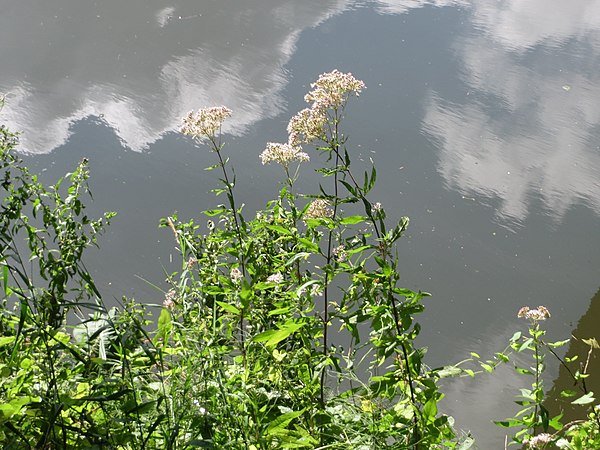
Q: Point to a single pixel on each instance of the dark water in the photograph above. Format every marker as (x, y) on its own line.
(482, 117)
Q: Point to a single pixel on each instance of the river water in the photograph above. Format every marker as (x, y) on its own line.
(483, 118)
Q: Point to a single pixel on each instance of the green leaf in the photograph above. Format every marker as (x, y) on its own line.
(449, 371)
(585, 399)
(309, 245)
(525, 345)
(279, 229)
(515, 337)
(5, 340)
(213, 212)
(279, 311)
(246, 294)
(273, 337)
(164, 323)
(567, 393)
(508, 423)
(558, 343)
(592, 342)
(352, 220)
(430, 410)
(282, 421)
(555, 422)
(487, 367)
(228, 307)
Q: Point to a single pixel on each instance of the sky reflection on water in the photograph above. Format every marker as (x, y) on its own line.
(142, 66)
(527, 125)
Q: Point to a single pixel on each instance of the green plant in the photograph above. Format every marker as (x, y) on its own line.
(536, 429)
(266, 292)
(243, 353)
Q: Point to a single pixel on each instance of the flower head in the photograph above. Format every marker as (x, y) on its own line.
(539, 441)
(235, 275)
(283, 154)
(276, 278)
(541, 313)
(340, 253)
(205, 122)
(332, 89)
(307, 126)
(170, 298)
(319, 209)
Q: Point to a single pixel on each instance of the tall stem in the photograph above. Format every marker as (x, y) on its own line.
(218, 146)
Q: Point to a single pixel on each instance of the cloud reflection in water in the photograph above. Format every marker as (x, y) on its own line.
(143, 65)
(527, 126)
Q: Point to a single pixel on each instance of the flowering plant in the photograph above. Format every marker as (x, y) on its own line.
(271, 290)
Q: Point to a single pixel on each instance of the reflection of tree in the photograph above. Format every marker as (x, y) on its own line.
(585, 329)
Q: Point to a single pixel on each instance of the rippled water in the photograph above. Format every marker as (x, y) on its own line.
(483, 118)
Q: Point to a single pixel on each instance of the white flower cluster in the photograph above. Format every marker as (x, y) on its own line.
(235, 275)
(330, 91)
(283, 154)
(340, 253)
(539, 441)
(319, 209)
(541, 313)
(276, 278)
(205, 122)
(307, 126)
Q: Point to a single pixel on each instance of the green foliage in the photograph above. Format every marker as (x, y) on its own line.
(535, 426)
(241, 355)
(284, 330)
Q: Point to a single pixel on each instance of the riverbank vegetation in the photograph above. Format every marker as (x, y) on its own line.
(285, 328)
